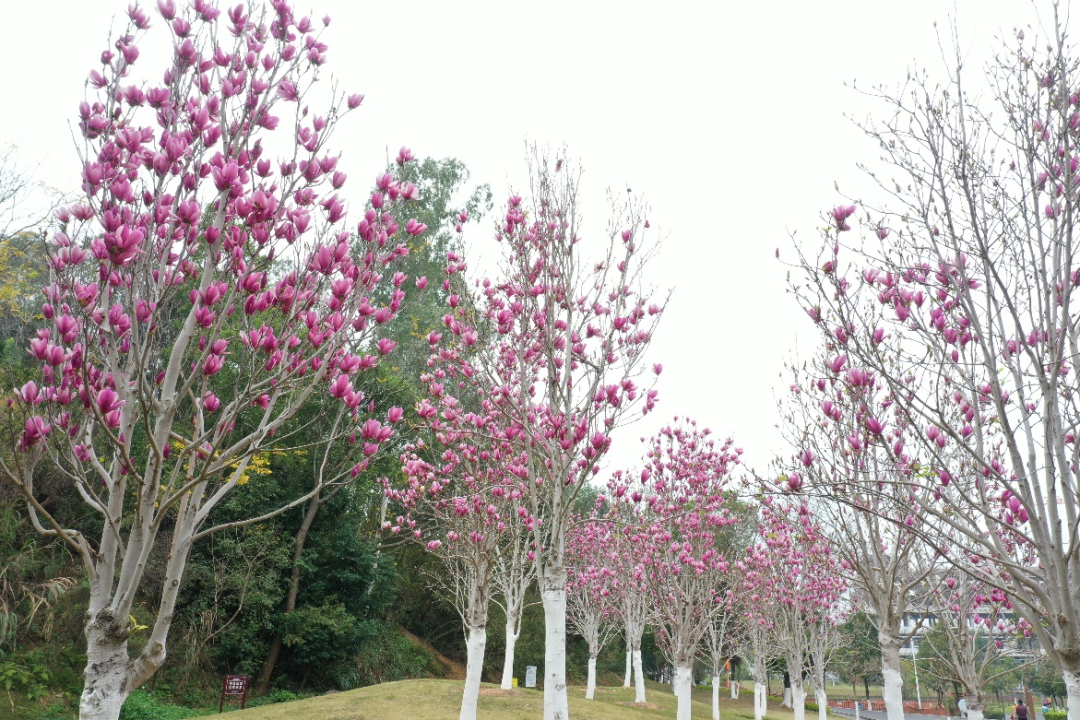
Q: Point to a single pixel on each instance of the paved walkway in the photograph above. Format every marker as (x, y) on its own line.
(879, 714)
(882, 715)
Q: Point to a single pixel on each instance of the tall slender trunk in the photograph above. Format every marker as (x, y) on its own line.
(1071, 676)
(508, 656)
(299, 541)
(974, 703)
(475, 645)
(684, 682)
(787, 690)
(553, 597)
(822, 702)
(759, 700)
(639, 678)
(590, 688)
(892, 687)
(629, 666)
(716, 696)
(798, 698)
(105, 679)
(734, 689)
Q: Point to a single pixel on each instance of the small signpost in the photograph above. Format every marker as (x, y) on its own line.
(234, 685)
(530, 676)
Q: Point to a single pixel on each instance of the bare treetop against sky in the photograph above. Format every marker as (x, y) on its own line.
(727, 116)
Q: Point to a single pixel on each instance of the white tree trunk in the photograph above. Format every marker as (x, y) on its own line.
(798, 699)
(590, 688)
(975, 708)
(716, 697)
(639, 679)
(759, 700)
(553, 596)
(892, 687)
(735, 689)
(822, 702)
(105, 679)
(684, 683)
(786, 702)
(1072, 690)
(508, 657)
(629, 667)
(475, 644)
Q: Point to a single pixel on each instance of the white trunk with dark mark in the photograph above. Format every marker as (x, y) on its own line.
(759, 700)
(107, 672)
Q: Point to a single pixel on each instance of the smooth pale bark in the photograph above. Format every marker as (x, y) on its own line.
(735, 686)
(105, 685)
(974, 704)
(639, 679)
(629, 668)
(1072, 690)
(786, 702)
(822, 702)
(590, 688)
(798, 699)
(508, 656)
(553, 597)
(684, 682)
(715, 697)
(475, 645)
(892, 686)
(759, 700)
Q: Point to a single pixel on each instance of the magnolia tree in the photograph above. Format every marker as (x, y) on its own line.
(853, 459)
(202, 290)
(513, 574)
(556, 343)
(717, 646)
(466, 495)
(685, 518)
(590, 602)
(794, 571)
(975, 630)
(824, 640)
(631, 596)
(960, 299)
(757, 644)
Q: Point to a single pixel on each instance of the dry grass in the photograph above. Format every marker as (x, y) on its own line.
(441, 700)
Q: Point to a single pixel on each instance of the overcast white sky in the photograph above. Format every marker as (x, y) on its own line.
(729, 117)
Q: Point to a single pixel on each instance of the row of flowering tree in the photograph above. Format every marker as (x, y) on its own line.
(684, 513)
(546, 358)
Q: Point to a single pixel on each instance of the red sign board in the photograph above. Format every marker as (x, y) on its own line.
(234, 685)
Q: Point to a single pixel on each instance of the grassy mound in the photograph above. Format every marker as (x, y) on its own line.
(441, 700)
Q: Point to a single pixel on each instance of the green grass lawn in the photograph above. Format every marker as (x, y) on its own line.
(441, 700)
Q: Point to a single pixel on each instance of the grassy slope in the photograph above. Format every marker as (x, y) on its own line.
(441, 700)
